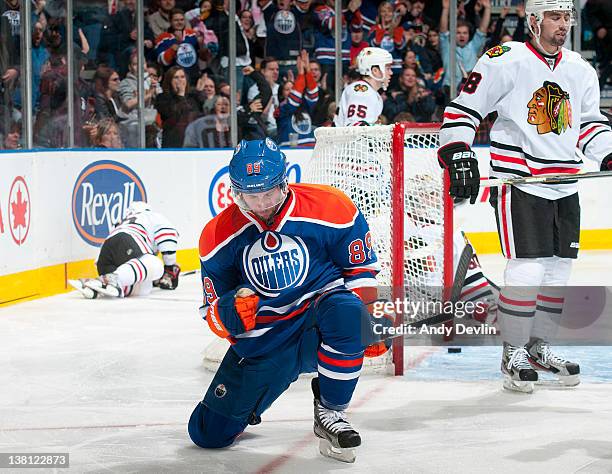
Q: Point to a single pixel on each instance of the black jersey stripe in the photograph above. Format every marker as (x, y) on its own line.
(546, 161)
(584, 147)
(467, 110)
(459, 124)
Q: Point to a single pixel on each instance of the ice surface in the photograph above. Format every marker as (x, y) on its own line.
(113, 383)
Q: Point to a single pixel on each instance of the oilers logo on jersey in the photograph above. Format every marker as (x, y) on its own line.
(550, 109)
(276, 262)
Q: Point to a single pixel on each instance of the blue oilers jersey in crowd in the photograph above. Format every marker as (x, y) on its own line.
(317, 242)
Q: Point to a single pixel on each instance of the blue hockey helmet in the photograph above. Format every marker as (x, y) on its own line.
(257, 166)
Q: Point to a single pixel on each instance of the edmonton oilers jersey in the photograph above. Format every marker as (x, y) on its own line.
(318, 241)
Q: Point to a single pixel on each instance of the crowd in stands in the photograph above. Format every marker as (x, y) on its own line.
(285, 54)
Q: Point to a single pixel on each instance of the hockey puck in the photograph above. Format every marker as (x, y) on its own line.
(454, 350)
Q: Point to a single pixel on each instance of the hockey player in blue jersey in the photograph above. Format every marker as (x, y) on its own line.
(287, 272)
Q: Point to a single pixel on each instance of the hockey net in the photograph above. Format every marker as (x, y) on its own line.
(392, 174)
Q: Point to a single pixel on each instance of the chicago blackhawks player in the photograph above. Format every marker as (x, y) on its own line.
(547, 99)
(361, 103)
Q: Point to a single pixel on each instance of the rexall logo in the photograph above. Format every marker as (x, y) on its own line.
(102, 193)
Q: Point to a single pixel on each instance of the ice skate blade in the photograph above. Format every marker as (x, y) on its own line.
(339, 454)
(96, 285)
(561, 382)
(87, 292)
(517, 385)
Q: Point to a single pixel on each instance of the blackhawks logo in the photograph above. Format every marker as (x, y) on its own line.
(497, 51)
(360, 88)
(550, 109)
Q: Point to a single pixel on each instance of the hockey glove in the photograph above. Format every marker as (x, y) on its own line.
(170, 278)
(460, 162)
(234, 313)
(383, 320)
(378, 349)
(606, 164)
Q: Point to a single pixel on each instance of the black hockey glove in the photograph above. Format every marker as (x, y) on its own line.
(606, 164)
(462, 166)
(170, 278)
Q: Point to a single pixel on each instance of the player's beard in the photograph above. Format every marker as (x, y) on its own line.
(558, 39)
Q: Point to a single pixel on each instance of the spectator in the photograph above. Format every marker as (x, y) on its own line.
(252, 124)
(389, 35)
(307, 20)
(270, 70)
(107, 134)
(179, 46)
(500, 35)
(40, 56)
(319, 112)
(160, 20)
(412, 97)
(207, 39)
(177, 107)
(284, 36)
(210, 131)
(208, 95)
(256, 45)
(599, 14)
(9, 70)
(415, 17)
(218, 21)
(128, 92)
(125, 35)
(325, 43)
(357, 42)
(10, 139)
(51, 125)
(413, 61)
(432, 48)
(199, 14)
(467, 50)
(106, 95)
(296, 103)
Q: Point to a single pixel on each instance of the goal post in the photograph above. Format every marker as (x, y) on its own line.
(392, 174)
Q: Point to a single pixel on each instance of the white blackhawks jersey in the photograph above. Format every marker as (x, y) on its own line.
(152, 232)
(548, 107)
(359, 103)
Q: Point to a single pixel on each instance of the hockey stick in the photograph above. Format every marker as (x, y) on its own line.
(544, 179)
(458, 281)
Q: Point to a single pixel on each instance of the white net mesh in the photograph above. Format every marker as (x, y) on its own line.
(360, 162)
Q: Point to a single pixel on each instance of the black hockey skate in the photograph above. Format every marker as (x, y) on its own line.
(542, 358)
(519, 376)
(338, 439)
